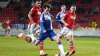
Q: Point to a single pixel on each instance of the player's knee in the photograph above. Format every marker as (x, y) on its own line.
(57, 38)
(28, 39)
(37, 42)
(70, 37)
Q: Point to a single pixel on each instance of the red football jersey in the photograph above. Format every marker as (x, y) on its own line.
(70, 19)
(7, 23)
(36, 14)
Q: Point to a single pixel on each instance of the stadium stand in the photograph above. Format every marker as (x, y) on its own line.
(84, 14)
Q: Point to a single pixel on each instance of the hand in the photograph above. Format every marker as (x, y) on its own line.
(34, 23)
(44, 31)
(66, 24)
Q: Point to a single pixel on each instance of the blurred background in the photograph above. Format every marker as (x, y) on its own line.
(87, 21)
(86, 32)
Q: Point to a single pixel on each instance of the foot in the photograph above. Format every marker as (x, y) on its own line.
(66, 54)
(19, 35)
(71, 53)
(28, 39)
(44, 55)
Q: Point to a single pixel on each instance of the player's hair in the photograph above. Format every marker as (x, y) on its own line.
(37, 0)
(63, 5)
(73, 5)
(46, 5)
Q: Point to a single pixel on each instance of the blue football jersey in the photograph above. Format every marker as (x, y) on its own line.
(59, 17)
(45, 21)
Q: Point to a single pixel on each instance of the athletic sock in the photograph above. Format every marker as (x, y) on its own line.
(22, 36)
(61, 47)
(71, 46)
(41, 47)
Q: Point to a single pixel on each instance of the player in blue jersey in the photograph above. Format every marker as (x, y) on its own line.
(46, 29)
(60, 15)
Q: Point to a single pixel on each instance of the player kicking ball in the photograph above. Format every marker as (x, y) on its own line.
(29, 38)
(46, 29)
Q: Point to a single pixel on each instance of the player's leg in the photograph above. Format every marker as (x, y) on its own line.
(57, 39)
(37, 30)
(9, 32)
(61, 48)
(41, 37)
(31, 27)
(28, 28)
(62, 32)
(21, 35)
(37, 42)
(28, 39)
(69, 38)
(6, 32)
(41, 47)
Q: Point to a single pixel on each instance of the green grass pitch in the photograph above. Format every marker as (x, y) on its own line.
(11, 46)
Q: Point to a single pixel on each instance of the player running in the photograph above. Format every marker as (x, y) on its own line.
(60, 15)
(46, 29)
(34, 17)
(68, 21)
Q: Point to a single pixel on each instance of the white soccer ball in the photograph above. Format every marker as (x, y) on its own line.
(58, 54)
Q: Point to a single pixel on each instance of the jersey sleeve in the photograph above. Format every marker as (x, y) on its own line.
(33, 9)
(57, 19)
(42, 22)
(66, 15)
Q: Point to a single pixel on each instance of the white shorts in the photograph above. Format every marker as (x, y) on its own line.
(30, 28)
(33, 29)
(8, 27)
(66, 31)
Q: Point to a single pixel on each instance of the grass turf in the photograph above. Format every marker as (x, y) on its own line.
(11, 46)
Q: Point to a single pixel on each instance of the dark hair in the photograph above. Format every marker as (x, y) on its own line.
(63, 5)
(46, 5)
(37, 0)
(73, 5)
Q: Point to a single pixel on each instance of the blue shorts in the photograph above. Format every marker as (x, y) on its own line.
(49, 33)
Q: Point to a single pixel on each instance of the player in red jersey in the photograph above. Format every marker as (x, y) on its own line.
(34, 17)
(68, 20)
(7, 27)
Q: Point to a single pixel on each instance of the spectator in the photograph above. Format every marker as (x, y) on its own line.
(20, 16)
(96, 10)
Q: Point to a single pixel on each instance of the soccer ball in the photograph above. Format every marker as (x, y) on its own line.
(58, 54)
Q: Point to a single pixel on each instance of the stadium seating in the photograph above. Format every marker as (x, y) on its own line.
(9, 12)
